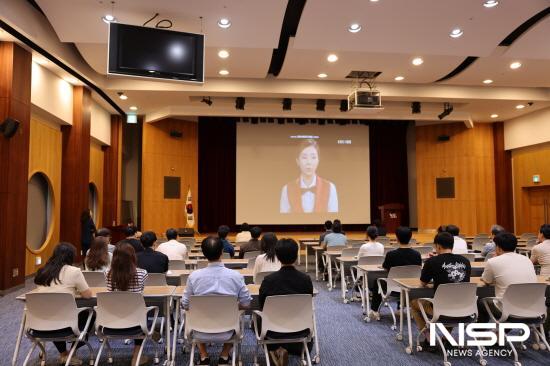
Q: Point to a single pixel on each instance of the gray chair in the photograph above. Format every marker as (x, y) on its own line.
(94, 279)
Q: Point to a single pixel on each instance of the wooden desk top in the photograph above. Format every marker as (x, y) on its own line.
(414, 283)
(148, 291)
(347, 259)
(317, 248)
(371, 268)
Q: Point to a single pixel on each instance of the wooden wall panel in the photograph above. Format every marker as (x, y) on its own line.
(75, 167)
(163, 155)
(527, 162)
(96, 177)
(15, 102)
(469, 157)
(503, 179)
(45, 158)
(112, 174)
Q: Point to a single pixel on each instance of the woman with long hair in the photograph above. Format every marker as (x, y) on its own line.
(125, 276)
(267, 262)
(59, 275)
(98, 258)
(87, 230)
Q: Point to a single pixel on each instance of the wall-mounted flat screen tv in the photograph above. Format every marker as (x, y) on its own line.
(155, 53)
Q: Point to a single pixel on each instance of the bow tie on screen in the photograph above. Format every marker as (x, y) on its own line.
(310, 189)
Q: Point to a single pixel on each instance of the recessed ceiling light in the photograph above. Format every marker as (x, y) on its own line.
(224, 23)
(487, 81)
(354, 28)
(122, 96)
(108, 18)
(133, 108)
(373, 1)
(456, 33)
(322, 75)
(223, 54)
(417, 61)
(399, 78)
(490, 3)
(223, 72)
(494, 115)
(515, 65)
(520, 106)
(332, 58)
(152, 71)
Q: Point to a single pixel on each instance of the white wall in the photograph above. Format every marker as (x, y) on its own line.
(52, 94)
(530, 129)
(100, 124)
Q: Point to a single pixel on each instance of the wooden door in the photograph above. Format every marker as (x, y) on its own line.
(539, 207)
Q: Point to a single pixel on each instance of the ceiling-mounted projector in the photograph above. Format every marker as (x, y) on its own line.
(365, 98)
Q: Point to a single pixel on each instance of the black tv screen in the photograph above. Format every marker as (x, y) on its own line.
(155, 53)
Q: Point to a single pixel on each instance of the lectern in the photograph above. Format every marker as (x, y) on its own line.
(391, 215)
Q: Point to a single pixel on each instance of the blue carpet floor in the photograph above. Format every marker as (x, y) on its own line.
(344, 339)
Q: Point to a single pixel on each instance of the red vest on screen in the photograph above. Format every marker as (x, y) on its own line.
(322, 192)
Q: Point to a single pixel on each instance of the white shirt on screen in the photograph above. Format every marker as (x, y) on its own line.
(507, 269)
(371, 248)
(308, 198)
(460, 246)
(173, 249)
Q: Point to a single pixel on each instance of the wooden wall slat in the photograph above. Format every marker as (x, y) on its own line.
(75, 166)
(503, 179)
(469, 157)
(15, 102)
(112, 176)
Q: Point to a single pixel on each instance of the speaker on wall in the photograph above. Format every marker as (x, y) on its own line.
(9, 127)
(176, 134)
(443, 138)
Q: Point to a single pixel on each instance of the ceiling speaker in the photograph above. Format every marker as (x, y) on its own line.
(176, 134)
(443, 138)
(9, 127)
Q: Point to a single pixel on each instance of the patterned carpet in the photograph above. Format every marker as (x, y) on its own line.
(344, 339)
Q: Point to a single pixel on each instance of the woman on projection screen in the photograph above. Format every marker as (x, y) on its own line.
(309, 193)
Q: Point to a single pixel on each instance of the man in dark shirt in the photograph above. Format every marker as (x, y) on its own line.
(254, 244)
(402, 256)
(223, 231)
(130, 232)
(149, 259)
(286, 281)
(445, 267)
(328, 230)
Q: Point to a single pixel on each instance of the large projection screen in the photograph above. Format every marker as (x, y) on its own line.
(302, 174)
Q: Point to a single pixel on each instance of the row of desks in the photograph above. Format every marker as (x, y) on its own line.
(168, 294)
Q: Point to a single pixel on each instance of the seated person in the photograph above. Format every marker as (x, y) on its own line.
(328, 230)
(149, 259)
(402, 256)
(98, 257)
(223, 231)
(336, 238)
(540, 254)
(59, 275)
(253, 244)
(106, 233)
(132, 239)
(172, 248)
(508, 267)
(244, 235)
(444, 267)
(267, 261)
(372, 247)
(131, 223)
(286, 281)
(490, 247)
(460, 246)
(216, 279)
(125, 276)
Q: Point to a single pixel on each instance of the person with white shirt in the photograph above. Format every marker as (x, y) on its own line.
(267, 261)
(244, 236)
(540, 254)
(372, 247)
(460, 246)
(508, 267)
(309, 193)
(172, 248)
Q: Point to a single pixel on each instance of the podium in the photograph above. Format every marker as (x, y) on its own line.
(391, 214)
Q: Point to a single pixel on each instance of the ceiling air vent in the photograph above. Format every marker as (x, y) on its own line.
(363, 74)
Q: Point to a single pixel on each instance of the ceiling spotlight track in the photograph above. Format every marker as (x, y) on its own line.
(460, 68)
(524, 27)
